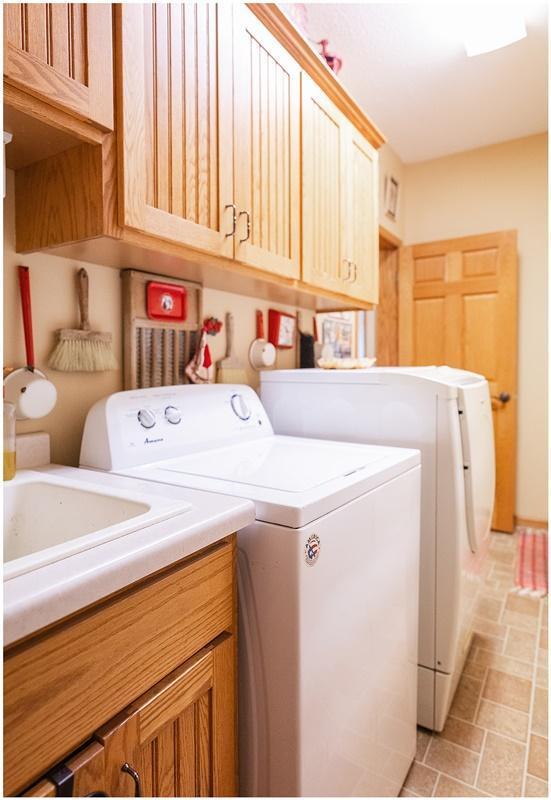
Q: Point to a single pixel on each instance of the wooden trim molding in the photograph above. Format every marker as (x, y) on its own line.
(290, 37)
(530, 523)
(387, 240)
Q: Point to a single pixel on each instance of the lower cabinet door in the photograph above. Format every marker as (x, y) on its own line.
(178, 739)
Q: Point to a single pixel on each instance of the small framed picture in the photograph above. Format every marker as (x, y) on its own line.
(281, 329)
(392, 188)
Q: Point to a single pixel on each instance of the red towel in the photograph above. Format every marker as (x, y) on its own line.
(531, 575)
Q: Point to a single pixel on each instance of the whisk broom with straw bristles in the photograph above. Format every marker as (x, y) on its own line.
(83, 350)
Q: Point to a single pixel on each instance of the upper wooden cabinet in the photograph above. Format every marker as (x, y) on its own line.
(323, 192)
(62, 54)
(361, 220)
(175, 118)
(189, 176)
(339, 200)
(236, 148)
(267, 148)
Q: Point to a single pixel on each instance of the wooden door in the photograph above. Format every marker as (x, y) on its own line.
(79, 776)
(267, 148)
(63, 54)
(175, 123)
(361, 217)
(458, 306)
(179, 739)
(325, 262)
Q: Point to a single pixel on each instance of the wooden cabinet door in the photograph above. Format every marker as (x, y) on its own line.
(361, 218)
(267, 148)
(175, 106)
(63, 54)
(80, 775)
(323, 190)
(179, 739)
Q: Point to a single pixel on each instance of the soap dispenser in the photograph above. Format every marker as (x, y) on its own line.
(9, 440)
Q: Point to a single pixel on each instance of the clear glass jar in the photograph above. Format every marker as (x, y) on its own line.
(9, 441)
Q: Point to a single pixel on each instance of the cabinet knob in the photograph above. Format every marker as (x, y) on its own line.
(135, 777)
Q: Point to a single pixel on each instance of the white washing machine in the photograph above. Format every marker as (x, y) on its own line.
(328, 578)
(446, 414)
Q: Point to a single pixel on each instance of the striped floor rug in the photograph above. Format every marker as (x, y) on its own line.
(531, 573)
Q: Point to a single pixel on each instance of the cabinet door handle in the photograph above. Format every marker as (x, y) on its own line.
(234, 218)
(349, 269)
(355, 271)
(135, 777)
(246, 213)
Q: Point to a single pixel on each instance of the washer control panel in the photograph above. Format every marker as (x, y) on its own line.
(145, 425)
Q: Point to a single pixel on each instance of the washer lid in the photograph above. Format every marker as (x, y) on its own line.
(291, 480)
(278, 463)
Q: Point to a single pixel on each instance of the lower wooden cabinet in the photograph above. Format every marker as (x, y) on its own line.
(81, 775)
(178, 738)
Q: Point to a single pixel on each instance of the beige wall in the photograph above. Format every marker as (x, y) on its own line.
(390, 164)
(489, 189)
(54, 306)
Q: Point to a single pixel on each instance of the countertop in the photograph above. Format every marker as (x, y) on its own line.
(54, 591)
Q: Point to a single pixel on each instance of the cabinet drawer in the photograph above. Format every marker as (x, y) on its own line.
(62, 685)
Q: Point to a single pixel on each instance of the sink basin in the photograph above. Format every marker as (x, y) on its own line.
(47, 518)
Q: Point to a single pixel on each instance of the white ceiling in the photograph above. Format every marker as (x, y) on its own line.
(406, 65)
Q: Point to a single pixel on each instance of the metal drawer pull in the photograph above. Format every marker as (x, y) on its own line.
(234, 218)
(248, 224)
(135, 777)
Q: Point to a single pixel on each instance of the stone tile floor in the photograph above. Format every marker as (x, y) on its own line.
(495, 739)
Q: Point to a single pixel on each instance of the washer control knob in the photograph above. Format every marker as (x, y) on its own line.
(240, 407)
(146, 418)
(173, 415)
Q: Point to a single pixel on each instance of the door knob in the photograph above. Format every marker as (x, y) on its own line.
(503, 397)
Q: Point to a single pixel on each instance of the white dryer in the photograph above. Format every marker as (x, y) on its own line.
(328, 579)
(446, 414)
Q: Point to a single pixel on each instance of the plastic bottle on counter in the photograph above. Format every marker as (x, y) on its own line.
(9, 441)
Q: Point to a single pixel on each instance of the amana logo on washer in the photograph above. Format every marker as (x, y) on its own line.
(312, 549)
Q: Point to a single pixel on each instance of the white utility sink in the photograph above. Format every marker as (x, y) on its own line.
(48, 518)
